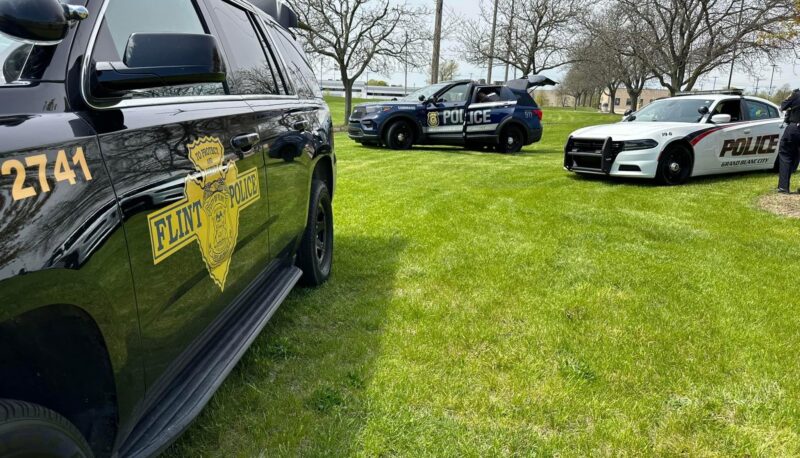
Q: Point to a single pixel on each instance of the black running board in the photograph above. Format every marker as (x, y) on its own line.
(190, 390)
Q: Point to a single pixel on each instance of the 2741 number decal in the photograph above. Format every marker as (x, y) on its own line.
(62, 169)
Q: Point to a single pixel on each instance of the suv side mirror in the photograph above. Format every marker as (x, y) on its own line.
(160, 59)
(703, 110)
(422, 98)
(42, 22)
(721, 119)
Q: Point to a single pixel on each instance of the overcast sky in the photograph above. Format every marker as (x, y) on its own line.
(786, 72)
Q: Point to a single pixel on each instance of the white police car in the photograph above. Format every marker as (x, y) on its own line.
(680, 137)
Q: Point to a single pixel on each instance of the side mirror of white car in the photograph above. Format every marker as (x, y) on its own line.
(721, 119)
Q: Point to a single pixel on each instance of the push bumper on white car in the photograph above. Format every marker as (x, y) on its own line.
(608, 157)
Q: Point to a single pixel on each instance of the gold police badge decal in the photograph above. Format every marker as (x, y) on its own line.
(209, 211)
(433, 119)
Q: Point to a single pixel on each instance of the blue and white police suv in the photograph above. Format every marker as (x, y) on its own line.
(679, 137)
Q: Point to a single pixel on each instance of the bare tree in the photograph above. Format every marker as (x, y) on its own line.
(361, 35)
(580, 82)
(604, 47)
(539, 34)
(601, 65)
(448, 69)
(679, 41)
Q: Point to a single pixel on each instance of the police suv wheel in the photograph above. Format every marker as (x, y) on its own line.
(510, 140)
(315, 256)
(675, 166)
(400, 135)
(30, 430)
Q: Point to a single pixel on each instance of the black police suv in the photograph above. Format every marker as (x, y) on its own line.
(166, 176)
(462, 113)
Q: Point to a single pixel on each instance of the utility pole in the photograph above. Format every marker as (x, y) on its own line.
(508, 36)
(733, 57)
(437, 42)
(772, 78)
(757, 80)
(491, 42)
(405, 81)
(714, 88)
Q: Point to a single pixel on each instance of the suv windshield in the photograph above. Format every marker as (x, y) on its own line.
(13, 55)
(671, 110)
(427, 92)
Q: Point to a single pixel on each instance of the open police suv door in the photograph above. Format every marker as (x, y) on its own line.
(527, 83)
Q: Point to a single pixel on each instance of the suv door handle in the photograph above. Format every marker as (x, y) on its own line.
(747, 132)
(245, 142)
(301, 126)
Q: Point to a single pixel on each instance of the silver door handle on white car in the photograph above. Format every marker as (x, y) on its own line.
(747, 132)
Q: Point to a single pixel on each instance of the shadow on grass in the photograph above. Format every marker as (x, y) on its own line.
(651, 183)
(460, 150)
(302, 387)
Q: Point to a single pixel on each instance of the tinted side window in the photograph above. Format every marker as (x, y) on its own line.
(249, 72)
(507, 95)
(457, 93)
(298, 71)
(126, 17)
(488, 94)
(730, 107)
(758, 110)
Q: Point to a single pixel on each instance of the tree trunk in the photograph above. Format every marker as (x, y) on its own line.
(348, 99)
(634, 89)
(634, 96)
(612, 99)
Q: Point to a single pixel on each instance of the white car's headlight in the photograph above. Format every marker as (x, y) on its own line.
(632, 145)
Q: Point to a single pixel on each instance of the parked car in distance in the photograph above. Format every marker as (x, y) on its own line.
(461, 113)
(680, 137)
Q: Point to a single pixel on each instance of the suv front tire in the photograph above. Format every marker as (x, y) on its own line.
(30, 430)
(400, 135)
(315, 256)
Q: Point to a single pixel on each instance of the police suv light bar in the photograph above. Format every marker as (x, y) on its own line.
(717, 92)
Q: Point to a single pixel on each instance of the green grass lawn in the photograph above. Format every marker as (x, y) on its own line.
(336, 105)
(495, 305)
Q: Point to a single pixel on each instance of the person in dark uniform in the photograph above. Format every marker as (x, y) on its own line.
(789, 154)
